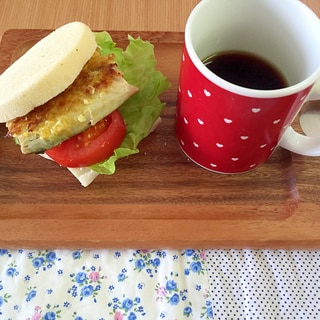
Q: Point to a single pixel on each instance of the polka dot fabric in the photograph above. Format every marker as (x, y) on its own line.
(264, 284)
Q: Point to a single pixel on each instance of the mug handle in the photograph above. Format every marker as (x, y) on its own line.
(299, 143)
(305, 145)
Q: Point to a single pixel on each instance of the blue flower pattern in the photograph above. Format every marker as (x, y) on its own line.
(116, 285)
(43, 260)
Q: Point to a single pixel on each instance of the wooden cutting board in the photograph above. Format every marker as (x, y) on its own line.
(158, 198)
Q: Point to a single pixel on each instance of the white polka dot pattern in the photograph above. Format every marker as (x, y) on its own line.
(223, 130)
(264, 284)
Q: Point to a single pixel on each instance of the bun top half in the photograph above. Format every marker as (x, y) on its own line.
(45, 70)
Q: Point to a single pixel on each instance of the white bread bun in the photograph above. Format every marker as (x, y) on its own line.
(46, 70)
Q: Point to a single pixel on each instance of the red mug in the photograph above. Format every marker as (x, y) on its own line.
(228, 128)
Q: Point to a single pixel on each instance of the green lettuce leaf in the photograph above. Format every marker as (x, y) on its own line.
(141, 111)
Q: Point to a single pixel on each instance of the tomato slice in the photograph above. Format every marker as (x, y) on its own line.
(94, 145)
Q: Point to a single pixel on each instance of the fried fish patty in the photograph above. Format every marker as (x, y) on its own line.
(98, 90)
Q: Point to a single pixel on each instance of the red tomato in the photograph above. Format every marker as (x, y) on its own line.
(94, 145)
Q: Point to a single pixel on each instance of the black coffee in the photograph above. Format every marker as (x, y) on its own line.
(246, 70)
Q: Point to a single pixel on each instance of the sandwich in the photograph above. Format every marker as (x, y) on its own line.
(79, 100)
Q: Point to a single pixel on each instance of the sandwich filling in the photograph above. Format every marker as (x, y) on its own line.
(98, 90)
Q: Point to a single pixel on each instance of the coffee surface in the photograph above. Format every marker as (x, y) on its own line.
(246, 70)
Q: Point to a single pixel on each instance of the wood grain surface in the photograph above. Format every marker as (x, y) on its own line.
(139, 15)
(158, 198)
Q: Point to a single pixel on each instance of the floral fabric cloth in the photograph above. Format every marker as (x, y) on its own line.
(104, 284)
